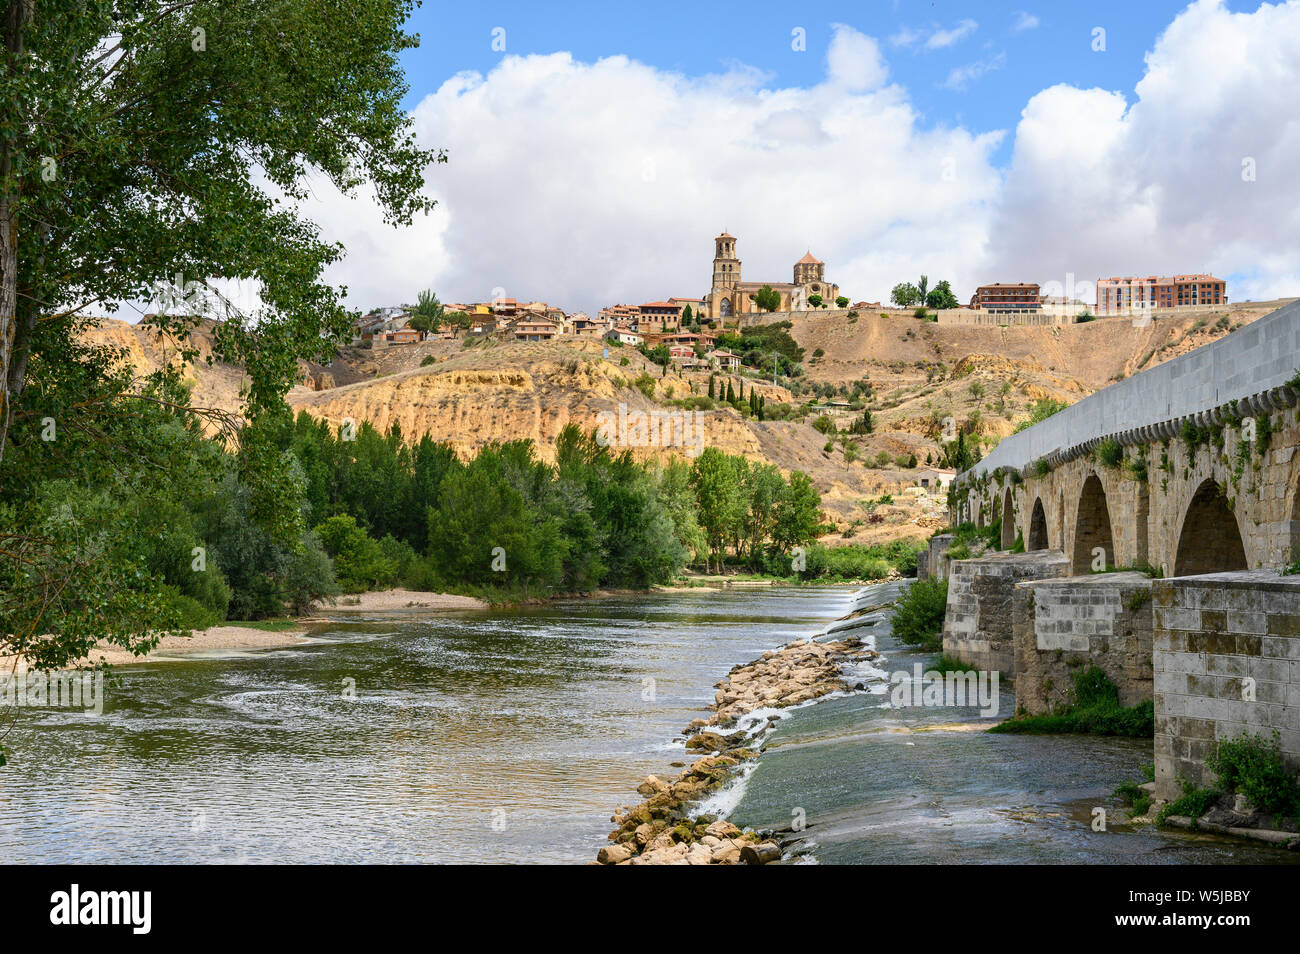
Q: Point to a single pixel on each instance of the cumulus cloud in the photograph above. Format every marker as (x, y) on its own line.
(586, 184)
(1100, 186)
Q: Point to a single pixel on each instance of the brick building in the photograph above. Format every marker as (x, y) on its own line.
(1014, 296)
(1132, 294)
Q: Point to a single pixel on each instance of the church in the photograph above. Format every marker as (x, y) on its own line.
(731, 296)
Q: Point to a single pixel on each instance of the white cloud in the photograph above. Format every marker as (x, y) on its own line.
(907, 36)
(1100, 186)
(960, 77)
(944, 38)
(592, 183)
(586, 184)
(1024, 21)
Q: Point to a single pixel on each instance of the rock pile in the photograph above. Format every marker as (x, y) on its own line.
(660, 829)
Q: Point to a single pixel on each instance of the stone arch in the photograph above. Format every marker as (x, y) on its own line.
(1008, 520)
(1037, 539)
(1210, 541)
(1092, 527)
(724, 308)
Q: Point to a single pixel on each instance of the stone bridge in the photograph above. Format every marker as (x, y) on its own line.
(1188, 468)
(1186, 479)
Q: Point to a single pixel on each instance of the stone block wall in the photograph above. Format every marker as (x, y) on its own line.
(977, 627)
(1226, 661)
(1062, 626)
(935, 558)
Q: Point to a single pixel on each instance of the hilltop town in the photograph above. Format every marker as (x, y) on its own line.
(865, 398)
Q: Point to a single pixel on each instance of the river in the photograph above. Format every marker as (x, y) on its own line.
(509, 736)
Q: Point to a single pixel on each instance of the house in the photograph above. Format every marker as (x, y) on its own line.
(593, 327)
(725, 359)
(681, 353)
(663, 314)
(622, 335)
(534, 329)
(935, 478)
(1008, 296)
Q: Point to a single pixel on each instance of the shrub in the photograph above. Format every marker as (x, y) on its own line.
(427, 360)
(918, 614)
(1253, 766)
(825, 424)
(359, 561)
(645, 384)
(1109, 452)
(1095, 710)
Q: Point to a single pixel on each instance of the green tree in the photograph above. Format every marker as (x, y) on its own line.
(905, 294)
(359, 562)
(155, 142)
(797, 516)
(841, 302)
(941, 296)
(815, 300)
(427, 315)
(767, 298)
(719, 502)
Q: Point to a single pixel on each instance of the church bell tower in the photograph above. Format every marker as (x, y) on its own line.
(726, 267)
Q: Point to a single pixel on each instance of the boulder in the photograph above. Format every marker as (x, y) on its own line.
(652, 786)
(723, 829)
(613, 854)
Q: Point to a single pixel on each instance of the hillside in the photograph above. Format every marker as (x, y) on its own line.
(920, 373)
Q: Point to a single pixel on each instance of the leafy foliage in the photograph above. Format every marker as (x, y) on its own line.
(918, 614)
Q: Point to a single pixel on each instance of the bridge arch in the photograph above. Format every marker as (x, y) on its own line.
(1008, 520)
(1037, 539)
(1092, 527)
(1210, 539)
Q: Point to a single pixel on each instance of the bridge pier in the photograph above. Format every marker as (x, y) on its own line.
(1226, 662)
(1062, 626)
(977, 627)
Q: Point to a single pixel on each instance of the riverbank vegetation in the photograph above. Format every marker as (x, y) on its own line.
(918, 614)
(1249, 765)
(1094, 710)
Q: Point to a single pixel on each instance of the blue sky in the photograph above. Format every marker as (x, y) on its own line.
(593, 159)
(1022, 48)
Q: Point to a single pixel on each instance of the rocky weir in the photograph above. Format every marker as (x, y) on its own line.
(662, 829)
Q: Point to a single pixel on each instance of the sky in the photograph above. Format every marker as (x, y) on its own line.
(595, 149)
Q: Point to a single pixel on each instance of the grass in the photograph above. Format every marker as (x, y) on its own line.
(1194, 802)
(945, 664)
(1134, 795)
(277, 625)
(1095, 711)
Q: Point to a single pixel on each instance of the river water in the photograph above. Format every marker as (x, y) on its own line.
(509, 736)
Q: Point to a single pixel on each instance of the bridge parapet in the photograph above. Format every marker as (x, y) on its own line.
(1252, 367)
